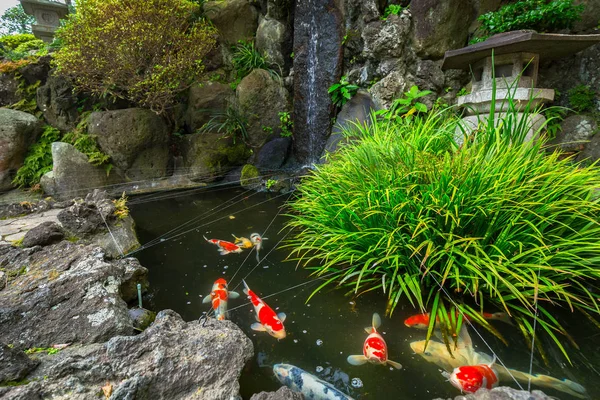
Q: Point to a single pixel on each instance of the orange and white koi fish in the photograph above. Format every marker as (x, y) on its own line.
(268, 321)
(375, 348)
(421, 321)
(257, 241)
(471, 378)
(224, 246)
(243, 242)
(219, 297)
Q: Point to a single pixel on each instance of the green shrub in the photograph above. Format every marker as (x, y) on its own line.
(11, 42)
(38, 160)
(30, 45)
(496, 223)
(539, 15)
(130, 50)
(27, 93)
(286, 124)
(342, 91)
(581, 98)
(246, 59)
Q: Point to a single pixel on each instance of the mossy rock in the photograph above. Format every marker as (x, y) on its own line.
(248, 179)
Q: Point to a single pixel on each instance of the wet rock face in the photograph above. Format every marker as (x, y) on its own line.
(171, 359)
(63, 293)
(318, 34)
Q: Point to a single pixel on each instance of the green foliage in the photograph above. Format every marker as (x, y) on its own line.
(270, 183)
(38, 160)
(11, 42)
(286, 124)
(246, 59)
(539, 15)
(14, 20)
(497, 223)
(47, 350)
(231, 123)
(554, 116)
(392, 9)
(17, 47)
(88, 144)
(342, 91)
(581, 98)
(31, 45)
(27, 93)
(128, 49)
(121, 209)
(406, 106)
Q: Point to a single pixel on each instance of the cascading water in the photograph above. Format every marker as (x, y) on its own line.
(318, 33)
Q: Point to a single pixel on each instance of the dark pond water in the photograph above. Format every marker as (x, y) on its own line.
(322, 332)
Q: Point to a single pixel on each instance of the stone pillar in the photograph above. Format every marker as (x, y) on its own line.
(47, 15)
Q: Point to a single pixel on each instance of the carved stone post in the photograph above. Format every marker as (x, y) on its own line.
(47, 15)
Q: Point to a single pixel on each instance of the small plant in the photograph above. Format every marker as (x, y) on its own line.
(246, 59)
(539, 15)
(406, 106)
(392, 9)
(554, 116)
(342, 91)
(231, 122)
(38, 160)
(286, 124)
(270, 183)
(47, 350)
(121, 209)
(581, 98)
(267, 129)
(87, 144)
(462, 92)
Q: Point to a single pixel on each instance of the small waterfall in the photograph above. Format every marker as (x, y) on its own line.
(318, 33)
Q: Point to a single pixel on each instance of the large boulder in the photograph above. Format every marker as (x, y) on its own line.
(204, 100)
(136, 140)
(63, 293)
(72, 174)
(208, 156)
(171, 359)
(440, 25)
(58, 103)
(274, 41)
(387, 39)
(261, 98)
(234, 19)
(279, 9)
(18, 131)
(273, 154)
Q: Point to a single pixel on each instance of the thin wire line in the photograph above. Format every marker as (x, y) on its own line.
(533, 334)
(111, 234)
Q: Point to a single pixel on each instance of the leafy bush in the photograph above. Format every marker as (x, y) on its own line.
(246, 59)
(27, 93)
(286, 124)
(38, 160)
(581, 98)
(539, 15)
(342, 91)
(16, 47)
(130, 50)
(11, 42)
(231, 122)
(30, 45)
(497, 223)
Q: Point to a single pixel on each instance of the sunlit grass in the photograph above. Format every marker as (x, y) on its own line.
(498, 223)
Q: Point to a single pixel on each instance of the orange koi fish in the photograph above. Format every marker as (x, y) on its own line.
(268, 321)
(224, 246)
(219, 297)
(470, 378)
(375, 348)
(421, 321)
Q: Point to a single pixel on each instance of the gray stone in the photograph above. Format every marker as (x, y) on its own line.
(72, 174)
(261, 98)
(39, 70)
(135, 139)
(141, 317)
(58, 103)
(234, 19)
(504, 393)
(575, 132)
(204, 100)
(273, 154)
(274, 41)
(429, 76)
(589, 17)
(284, 393)
(392, 87)
(387, 39)
(18, 131)
(591, 152)
(440, 26)
(279, 9)
(318, 63)
(14, 364)
(68, 293)
(44, 234)
(8, 90)
(171, 359)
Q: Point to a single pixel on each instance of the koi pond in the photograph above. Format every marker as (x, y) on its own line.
(324, 331)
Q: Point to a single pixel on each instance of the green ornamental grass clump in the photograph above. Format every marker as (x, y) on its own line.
(497, 223)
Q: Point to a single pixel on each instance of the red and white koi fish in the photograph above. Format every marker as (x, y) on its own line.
(421, 321)
(470, 378)
(375, 348)
(257, 241)
(268, 321)
(219, 297)
(224, 246)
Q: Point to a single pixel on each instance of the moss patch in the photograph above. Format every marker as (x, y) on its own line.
(249, 175)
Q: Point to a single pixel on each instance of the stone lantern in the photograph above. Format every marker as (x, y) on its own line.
(47, 15)
(513, 69)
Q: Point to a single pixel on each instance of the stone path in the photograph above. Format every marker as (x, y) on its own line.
(13, 229)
